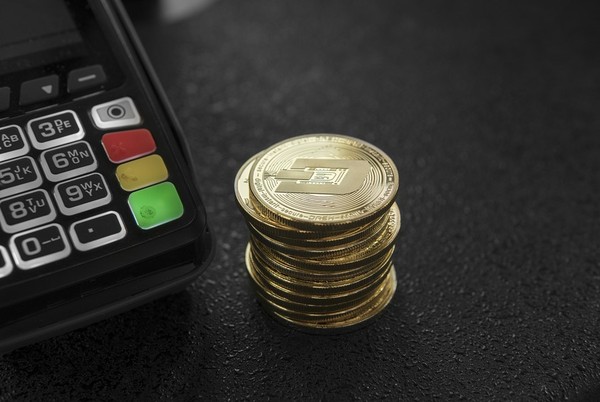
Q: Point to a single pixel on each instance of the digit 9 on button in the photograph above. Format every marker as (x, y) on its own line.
(82, 194)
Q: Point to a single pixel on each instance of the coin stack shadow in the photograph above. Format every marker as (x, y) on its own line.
(320, 274)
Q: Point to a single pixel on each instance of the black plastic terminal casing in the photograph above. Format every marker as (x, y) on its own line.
(90, 286)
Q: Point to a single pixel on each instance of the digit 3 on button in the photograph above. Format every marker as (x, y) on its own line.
(55, 129)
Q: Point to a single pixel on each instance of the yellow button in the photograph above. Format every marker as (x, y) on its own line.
(142, 172)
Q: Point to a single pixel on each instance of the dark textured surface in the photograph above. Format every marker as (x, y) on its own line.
(490, 111)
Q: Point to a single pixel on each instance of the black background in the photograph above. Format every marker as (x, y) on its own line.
(490, 111)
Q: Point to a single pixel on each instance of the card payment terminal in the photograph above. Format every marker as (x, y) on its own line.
(99, 207)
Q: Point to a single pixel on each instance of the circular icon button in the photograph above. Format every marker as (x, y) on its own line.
(116, 111)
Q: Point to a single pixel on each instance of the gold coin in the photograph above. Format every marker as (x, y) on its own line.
(349, 296)
(369, 310)
(360, 257)
(355, 247)
(317, 285)
(320, 239)
(242, 195)
(328, 181)
(266, 258)
(312, 248)
(288, 234)
(314, 305)
(269, 297)
(324, 265)
(273, 228)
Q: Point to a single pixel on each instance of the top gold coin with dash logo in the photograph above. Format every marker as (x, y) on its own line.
(327, 180)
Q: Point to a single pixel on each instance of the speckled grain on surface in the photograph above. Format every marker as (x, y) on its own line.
(491, 113)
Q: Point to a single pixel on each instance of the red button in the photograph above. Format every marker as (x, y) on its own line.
(126, 145)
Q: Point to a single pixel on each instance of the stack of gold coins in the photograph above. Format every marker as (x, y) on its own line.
(323, 220)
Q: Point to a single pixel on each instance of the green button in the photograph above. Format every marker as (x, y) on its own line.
(155, 205)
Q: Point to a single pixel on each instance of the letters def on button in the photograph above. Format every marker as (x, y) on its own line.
(55, 129)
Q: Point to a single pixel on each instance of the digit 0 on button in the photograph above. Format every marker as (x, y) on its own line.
(39, 246)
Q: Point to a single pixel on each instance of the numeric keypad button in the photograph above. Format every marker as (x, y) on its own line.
(18, 175)
(6, 265)
(68, 161)
(40, 246)
(26, 210)
(55, 129)
(97, 231)
(82, 194)
(12, 143)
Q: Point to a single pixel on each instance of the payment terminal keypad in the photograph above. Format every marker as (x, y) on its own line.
(55, 200)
